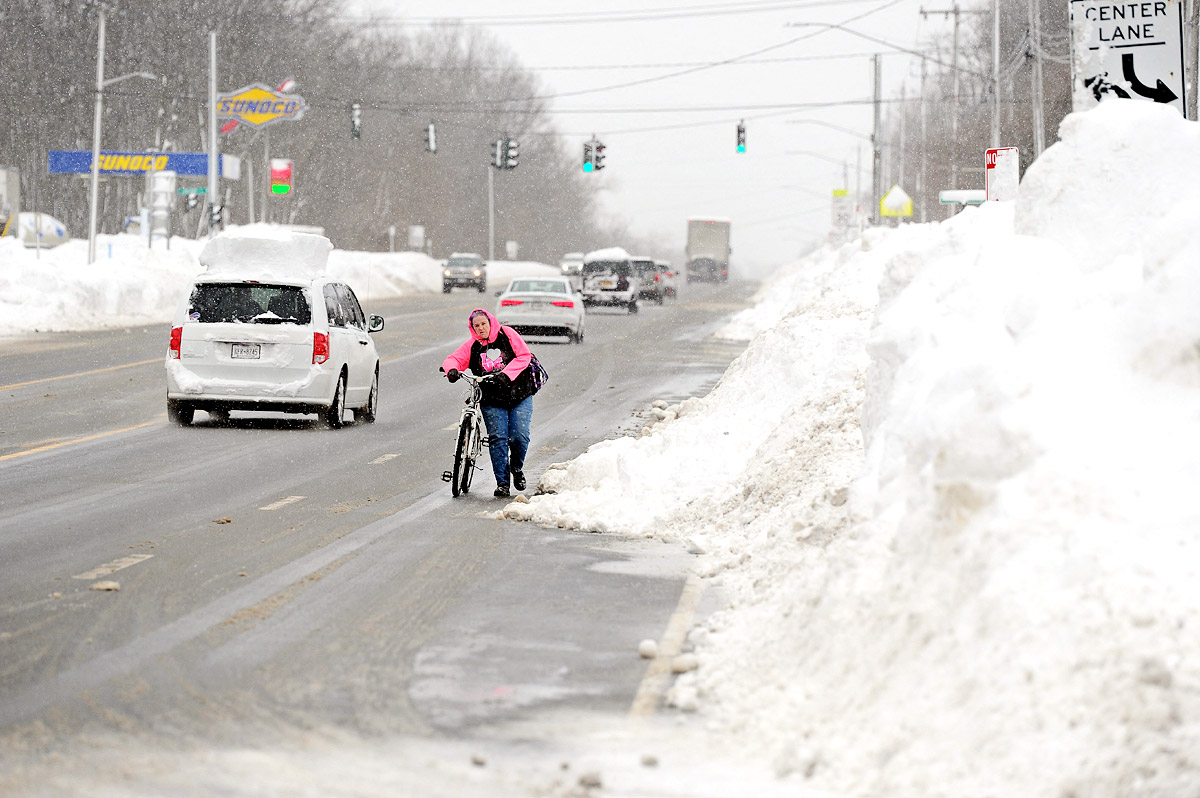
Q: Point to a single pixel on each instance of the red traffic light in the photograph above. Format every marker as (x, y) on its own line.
(281, 175)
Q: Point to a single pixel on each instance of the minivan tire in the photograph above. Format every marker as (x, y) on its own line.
(180, 413)
(337, 409)
(366, 414)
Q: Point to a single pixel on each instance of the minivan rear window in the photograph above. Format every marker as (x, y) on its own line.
(246, 303)
(620, 268)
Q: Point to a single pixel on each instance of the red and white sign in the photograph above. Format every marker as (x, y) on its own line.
(1003, 168)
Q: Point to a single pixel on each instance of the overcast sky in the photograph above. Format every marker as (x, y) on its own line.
(671, 150)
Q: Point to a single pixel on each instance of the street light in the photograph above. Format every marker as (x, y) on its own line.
(100, 84)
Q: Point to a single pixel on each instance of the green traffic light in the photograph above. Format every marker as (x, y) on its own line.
(741, 148)
(587, 167)
(280, 189)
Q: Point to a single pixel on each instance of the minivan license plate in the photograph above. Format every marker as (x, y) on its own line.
(247, 351)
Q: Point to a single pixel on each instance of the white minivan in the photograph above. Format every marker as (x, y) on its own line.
(265, 329)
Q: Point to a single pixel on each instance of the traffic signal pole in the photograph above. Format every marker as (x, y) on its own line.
(491, 215)
(266, 181)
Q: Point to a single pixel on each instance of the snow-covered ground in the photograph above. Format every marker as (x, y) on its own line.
(946, 491)
(55, 290)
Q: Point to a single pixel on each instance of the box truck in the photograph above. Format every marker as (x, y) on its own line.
(708, 249)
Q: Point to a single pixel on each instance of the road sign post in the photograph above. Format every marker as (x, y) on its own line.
(1002, 166)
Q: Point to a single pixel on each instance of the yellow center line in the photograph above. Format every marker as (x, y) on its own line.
(71, 441)
(80, 374)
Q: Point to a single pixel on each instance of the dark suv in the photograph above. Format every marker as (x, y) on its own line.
(464, 270)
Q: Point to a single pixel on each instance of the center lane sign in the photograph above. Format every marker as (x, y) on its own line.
(1130, 50)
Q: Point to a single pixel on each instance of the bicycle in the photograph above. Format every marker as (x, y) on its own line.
(471, 439)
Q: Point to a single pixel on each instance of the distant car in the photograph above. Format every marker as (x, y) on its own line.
(609, 279)
(272, 341)
(651, 286)
(668, 278)
(542, 306)
(464, 270)
(41, 230)
(572, 268)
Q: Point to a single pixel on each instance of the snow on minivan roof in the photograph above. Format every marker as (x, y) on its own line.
(611, 253)
(259, 251)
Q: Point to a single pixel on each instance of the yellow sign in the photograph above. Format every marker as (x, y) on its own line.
(895, 203)
(259, 105)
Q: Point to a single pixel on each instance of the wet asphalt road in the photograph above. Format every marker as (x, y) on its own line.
(276, 577)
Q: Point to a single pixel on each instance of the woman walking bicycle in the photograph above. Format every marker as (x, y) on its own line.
(507, 402)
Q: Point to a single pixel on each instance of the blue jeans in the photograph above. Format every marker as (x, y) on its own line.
(508, 428)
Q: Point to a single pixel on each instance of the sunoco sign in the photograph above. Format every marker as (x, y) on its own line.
(259, 105)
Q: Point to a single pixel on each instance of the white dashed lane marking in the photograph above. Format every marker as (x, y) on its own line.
(383, 459)
(283, 502)
(113, 567)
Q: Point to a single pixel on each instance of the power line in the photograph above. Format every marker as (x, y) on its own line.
(593, 17)
(601, 67)
(693, 70)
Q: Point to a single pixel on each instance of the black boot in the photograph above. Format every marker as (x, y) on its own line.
(518, 479)
(501, 492)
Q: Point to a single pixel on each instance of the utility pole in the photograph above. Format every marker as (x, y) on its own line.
(903, 115)
(1036, 97)
(858, 189)
(921, 175)
(954, 112)
(995, 73)
(1191, 38)
(875, 176)
(213, 155)
(95, 193)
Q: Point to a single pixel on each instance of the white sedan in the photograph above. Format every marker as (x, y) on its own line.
(542, 306)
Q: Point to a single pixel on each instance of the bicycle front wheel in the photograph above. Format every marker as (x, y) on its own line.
(461, 477)
(472, 454)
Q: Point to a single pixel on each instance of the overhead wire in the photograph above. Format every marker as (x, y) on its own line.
(595, 17)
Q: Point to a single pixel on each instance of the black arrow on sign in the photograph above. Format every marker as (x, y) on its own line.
(1160, 93)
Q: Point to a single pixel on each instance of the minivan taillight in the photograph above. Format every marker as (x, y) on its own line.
(176, 342)
(320, 347)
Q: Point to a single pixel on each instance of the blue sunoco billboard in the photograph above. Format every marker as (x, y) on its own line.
(79, 162)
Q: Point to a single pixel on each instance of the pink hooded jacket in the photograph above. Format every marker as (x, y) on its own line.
(461, 358)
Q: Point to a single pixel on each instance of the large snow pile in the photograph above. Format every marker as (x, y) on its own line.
(130, 284)
(948, 495)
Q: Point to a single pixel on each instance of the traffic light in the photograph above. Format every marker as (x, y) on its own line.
(598, 155)
(588, 164)
(430, 138)
(741, 140)
(356, 121)
(511, 153)
(498, 153)
(281, 175)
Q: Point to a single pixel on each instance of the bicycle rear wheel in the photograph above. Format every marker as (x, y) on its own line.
(460, 479)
